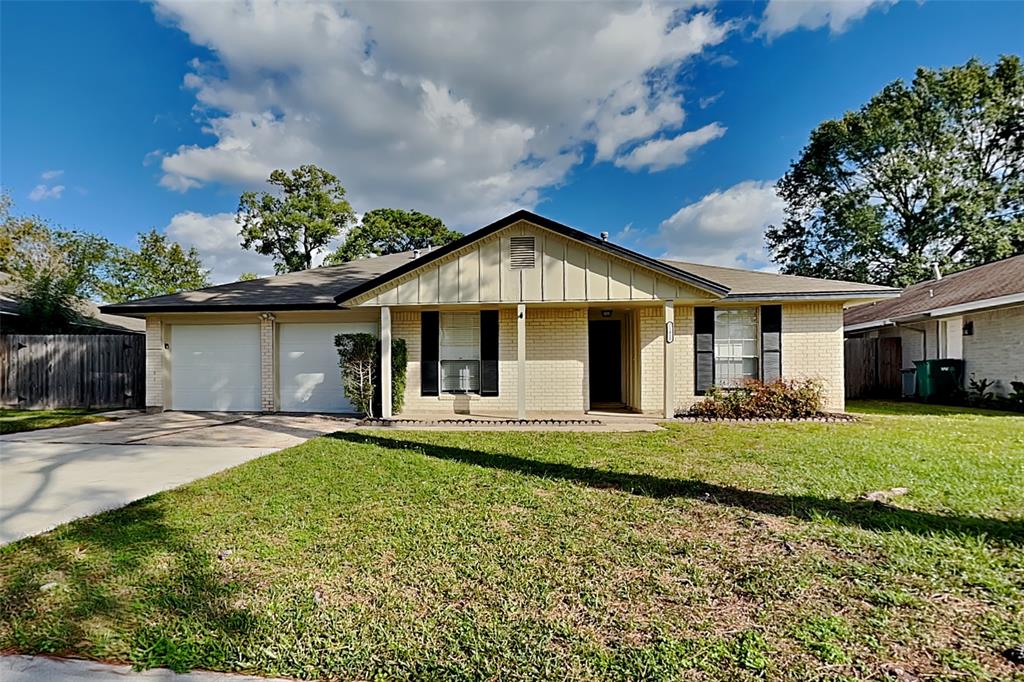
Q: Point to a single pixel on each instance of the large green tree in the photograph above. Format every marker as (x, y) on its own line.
(304, 215)
(391, 230)
(50, 270)
(931, 171)
(160, 266)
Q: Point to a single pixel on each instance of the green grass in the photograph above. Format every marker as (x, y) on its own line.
(13, 421)
(706, 550)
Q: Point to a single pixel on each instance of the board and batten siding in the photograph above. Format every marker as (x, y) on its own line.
(564, 271)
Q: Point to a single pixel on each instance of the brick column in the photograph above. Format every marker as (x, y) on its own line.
(669, 361)
(268, 383)
(154, 365)
(385, 363)
(521, 360)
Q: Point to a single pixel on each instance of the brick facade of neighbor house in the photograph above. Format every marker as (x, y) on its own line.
(995, 349)
(268, 364)
(154, 363)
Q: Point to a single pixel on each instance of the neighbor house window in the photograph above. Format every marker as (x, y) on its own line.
(736, 355)
(460, 352)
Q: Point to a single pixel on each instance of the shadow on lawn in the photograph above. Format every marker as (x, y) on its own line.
(127, 572)
(867, 515)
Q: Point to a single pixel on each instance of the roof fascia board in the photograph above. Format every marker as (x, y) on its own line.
(865, 296)
(213, 308)
(994, 302)
(548, 224)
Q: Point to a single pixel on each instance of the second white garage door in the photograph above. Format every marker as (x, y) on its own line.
(215, 367)
(308, 373)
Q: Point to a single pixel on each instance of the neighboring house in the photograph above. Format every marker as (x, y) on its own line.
(976, 315)
(92, 321)
(522, 317)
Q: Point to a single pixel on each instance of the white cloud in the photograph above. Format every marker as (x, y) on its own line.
(725, 227)
(216, 238)
(782, 16)
(463, 110)
(51, 174)
(666, 152)
(44, 191)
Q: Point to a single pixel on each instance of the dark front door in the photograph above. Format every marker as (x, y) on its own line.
(605, 361)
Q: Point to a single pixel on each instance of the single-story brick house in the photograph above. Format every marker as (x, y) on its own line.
(522, 317)
(975, 315)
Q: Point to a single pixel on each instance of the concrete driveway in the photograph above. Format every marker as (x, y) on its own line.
(53, 476)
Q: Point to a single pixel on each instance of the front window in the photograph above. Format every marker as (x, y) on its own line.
(735, 345)
(460, 352)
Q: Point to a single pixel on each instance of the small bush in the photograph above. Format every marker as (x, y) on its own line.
(779, 399)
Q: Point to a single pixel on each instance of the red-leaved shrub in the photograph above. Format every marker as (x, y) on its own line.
(779, 399)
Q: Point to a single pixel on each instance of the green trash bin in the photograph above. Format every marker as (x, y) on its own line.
(939, 380)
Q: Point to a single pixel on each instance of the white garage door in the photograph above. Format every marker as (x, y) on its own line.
(215, 367)
(308, 373)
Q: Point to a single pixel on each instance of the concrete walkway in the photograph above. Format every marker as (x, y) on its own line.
(43, 669)
(52, 476)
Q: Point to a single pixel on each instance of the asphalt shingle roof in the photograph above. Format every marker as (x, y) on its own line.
(756, 282)
(306, 289)
(321, 288)
(1002, 278)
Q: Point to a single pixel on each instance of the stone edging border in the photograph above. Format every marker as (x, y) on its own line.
(480, 422)
(830, 418)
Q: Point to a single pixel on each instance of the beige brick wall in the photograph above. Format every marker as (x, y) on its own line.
(996, 349)
(556, 359)
(651, 323)
(812, 347)
(268, 364)
(154, 363)
(683, 344)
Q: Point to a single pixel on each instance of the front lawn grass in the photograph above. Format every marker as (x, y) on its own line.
(14, 421)
(706, 550)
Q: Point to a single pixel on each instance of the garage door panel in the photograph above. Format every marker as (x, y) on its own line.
(215, 367)
(308, 373)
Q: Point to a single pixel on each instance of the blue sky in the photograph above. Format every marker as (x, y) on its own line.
(664, 125)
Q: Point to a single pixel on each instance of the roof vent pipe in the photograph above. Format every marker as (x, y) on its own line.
(604, 236)
(936, 271)
(415, 253)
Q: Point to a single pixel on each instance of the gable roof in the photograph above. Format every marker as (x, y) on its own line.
(757, 284)
(983, 286)
(326, 288)
(662, 267)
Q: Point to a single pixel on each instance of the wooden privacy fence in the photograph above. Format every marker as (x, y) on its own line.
(873, 367)
(72, 370)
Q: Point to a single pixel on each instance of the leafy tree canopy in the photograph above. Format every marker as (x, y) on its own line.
(933, 171)
(248, 276)
(391, 230)
(160, 266)
(50, 270)
(308, 212)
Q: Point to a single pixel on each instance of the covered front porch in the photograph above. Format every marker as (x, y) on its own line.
(603, 360)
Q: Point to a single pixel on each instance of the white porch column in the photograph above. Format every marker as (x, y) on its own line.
(521, 360)
(385, 362)
(670, 360)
